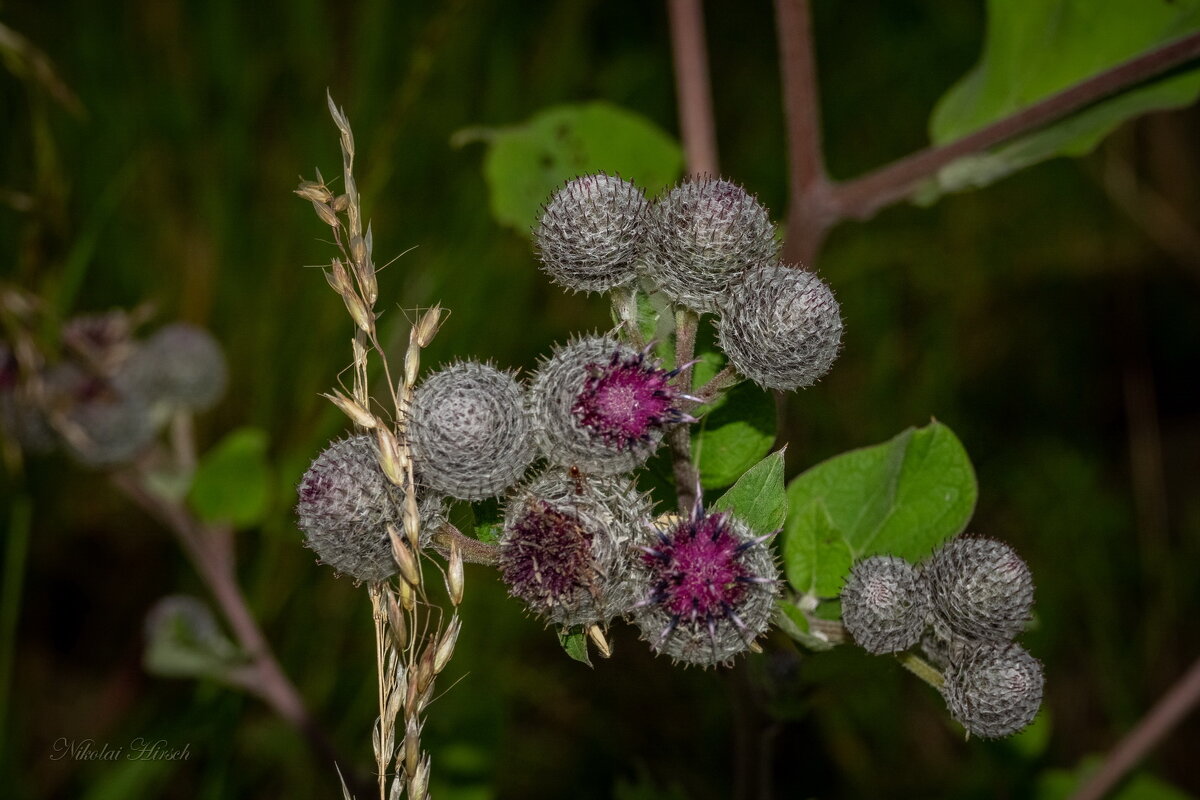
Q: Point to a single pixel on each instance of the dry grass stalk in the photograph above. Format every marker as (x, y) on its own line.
(413, 643)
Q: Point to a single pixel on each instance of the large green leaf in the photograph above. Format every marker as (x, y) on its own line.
(903, 497)
(1034, 48)
(233, 481)
(758, 497)
(526, 163)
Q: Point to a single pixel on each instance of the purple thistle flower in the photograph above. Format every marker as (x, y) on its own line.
(710, 589)
(624, 401)
(601, 405)
(547, 555)
(563, 548)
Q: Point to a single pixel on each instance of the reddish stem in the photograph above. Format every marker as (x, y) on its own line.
(810, 210)
(862, 197)
(210, 549)
(1154, 727)
(692, 84)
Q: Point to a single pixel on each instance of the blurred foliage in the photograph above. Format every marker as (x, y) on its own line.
(1035, 48)
(1056, 336)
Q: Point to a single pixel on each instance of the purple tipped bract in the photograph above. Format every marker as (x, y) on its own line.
(710, 587)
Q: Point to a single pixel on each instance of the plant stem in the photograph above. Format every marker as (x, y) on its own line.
(809, 207)
(922, 669)
(862, 197)
(1152, 729)
(687, 479)
(210, 549)
(696, 125)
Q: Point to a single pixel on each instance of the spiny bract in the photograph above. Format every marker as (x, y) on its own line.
(564, 544)
(883, 606)
(345, 504)
(469, 431)
(995, 690)
(601, 405)
(707, 586)
(980, 590)
(780, 327)
(702, 235)
(587, 239)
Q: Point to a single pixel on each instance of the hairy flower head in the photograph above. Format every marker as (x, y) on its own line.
(700, 236)
(780, 327)
(588, 235)
(708, 586)
(469, 431)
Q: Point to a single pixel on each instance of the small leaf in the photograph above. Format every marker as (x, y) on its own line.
(734, 434)
(183, 640)
(1034, 48)
(758, 498)
(903, 497)
(791, 620)
(233, 480)
(526, 163)
(575, 644)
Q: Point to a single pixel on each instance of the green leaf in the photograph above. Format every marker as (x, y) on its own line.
(758, 498)
(734, 434)
(183, 640)
(574, 643)
(526, 163)
(903, 497)
(233, 480)
(1034, 48)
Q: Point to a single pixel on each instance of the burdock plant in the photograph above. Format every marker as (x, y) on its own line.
(580, 545)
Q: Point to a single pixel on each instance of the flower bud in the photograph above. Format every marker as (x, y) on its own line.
(702, 235)
(181, 365)
(780, 327)
(995, 690)
(980, 590)
(588, 236)
(346, 504)
(469, 432)
(883, 605)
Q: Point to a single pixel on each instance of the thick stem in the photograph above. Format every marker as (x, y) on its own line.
(809, 207)
(696, 125)
(862, 197)
(1154, 727)
(473, 550)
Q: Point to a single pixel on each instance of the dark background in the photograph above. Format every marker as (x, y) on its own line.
(1057, 337)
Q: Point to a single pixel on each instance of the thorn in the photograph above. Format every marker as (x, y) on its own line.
(667, 631)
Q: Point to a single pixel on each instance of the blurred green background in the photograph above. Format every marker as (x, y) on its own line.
(1055, 333)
